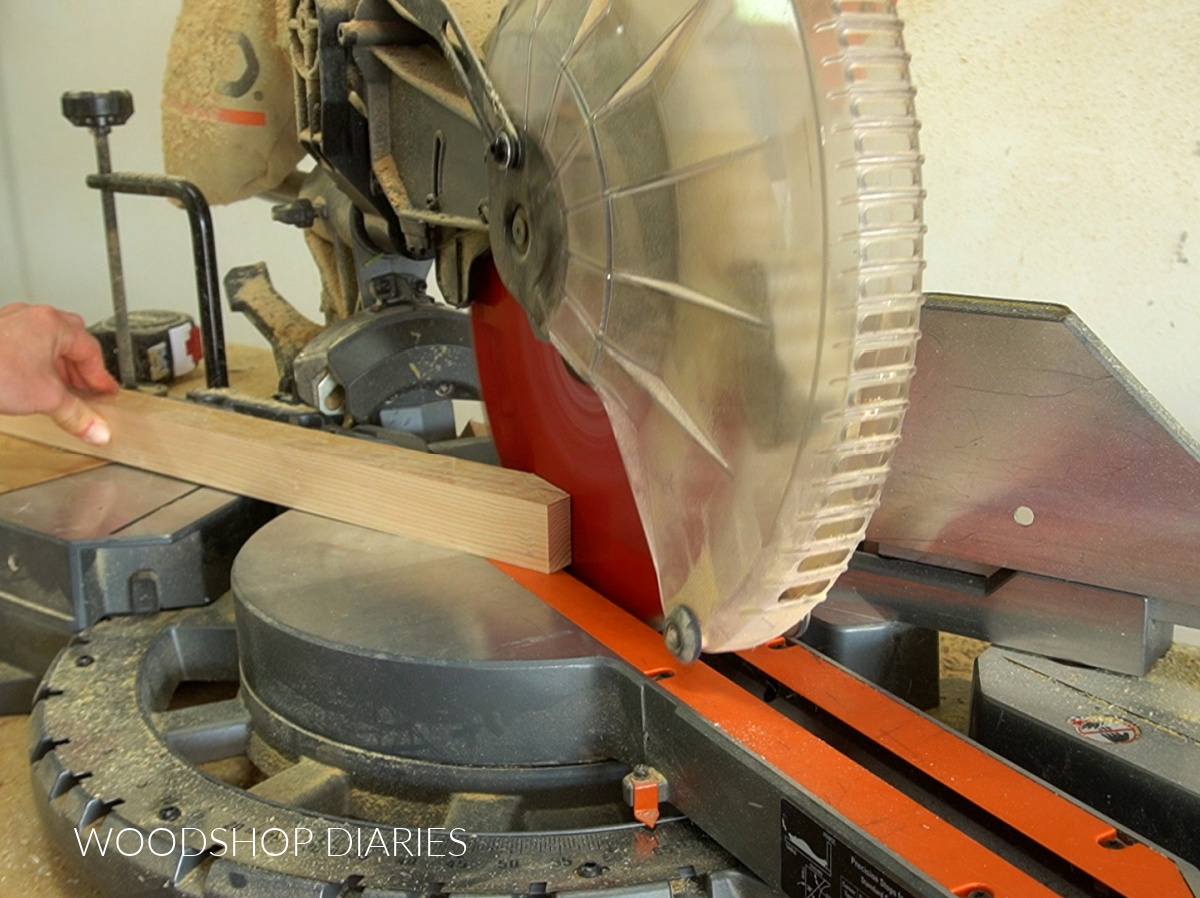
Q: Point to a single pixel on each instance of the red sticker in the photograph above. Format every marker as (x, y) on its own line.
(1103, 728)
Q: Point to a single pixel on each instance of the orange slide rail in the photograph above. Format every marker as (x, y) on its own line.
(1027, 805)
(927, 842)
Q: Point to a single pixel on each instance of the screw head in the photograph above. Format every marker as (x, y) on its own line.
(681, 633)
(589, 869)
(519, 229)
(84, 661)
(169, 813)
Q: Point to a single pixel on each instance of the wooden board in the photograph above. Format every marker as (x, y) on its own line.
(27, 464)
(497, 513)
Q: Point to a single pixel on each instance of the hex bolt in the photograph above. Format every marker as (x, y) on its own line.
(301, 213)
(641, 771)
(504, 151)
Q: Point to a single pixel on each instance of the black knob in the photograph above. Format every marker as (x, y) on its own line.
(98, 109)
(301, 213)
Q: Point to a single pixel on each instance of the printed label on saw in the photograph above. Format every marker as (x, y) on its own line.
(816, 864)
(1104, 728)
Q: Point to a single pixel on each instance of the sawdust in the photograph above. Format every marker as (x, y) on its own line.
(231, 133)
(478, 19)
(956, 665)
(30, 865)
(958, 654)
(335, 305)
(1179, 666)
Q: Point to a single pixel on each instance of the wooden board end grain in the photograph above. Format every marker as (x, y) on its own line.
(494, 512)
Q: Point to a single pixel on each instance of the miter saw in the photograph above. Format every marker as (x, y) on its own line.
(708, 212)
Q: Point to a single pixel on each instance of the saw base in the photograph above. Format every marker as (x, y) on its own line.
(1124, 745)
(104, 542)
(132, 740)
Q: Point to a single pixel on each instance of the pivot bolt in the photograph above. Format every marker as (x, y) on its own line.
(681, 633)
(505, 151)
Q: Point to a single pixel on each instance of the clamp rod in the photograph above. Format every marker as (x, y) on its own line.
(99, 112)
(204, 255)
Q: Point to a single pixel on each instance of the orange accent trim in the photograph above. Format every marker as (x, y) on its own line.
(929, 843)
(240, 117)
(223, 114)
(645, 801)
(1065, 828)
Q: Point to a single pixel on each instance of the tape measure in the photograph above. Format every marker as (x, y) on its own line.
(166, 345)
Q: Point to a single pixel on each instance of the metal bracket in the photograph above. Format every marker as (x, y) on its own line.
(436, 19)
(644, 789)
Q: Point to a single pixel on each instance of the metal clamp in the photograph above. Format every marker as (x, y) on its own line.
(204, 253)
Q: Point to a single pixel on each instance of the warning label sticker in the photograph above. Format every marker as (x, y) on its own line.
(816, 864)
(1104, 728)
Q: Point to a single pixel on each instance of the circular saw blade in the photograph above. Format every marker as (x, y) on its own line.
(717, 222)
(547, 421)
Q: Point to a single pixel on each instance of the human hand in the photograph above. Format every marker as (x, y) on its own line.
(45, 355)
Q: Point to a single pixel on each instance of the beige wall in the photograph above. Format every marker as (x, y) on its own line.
(1062, 139)
(51, 234)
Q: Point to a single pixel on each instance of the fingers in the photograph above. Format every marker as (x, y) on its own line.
(85, 363)
(45, 354)
(74, 416)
